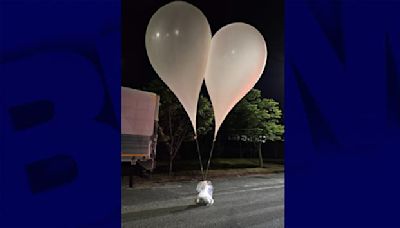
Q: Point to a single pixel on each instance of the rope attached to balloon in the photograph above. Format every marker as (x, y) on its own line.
(209, 159)
(184, 55)
(204, 174)
(201, 163)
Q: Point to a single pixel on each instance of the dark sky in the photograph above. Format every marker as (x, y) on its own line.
(266, 16)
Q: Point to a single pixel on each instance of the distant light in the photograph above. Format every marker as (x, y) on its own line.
(177, 32)
(157, 34)
(233, 51)
(167, 34)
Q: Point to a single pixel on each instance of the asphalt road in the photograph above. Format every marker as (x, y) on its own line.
(251, 201)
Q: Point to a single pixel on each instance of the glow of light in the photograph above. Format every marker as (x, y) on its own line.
(157, 34)
(177, 32)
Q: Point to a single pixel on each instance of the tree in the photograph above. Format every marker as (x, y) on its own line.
(257, 118)
(174, 124)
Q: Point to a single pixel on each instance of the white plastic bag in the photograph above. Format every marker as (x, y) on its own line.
(205, 190)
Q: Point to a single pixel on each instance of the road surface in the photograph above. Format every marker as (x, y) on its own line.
(251, 201)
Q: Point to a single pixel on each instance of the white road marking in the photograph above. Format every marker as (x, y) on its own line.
(153, 187)
(251, 189)
(167, 186)
(258, 184)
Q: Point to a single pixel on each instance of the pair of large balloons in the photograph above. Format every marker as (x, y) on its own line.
(183, 53)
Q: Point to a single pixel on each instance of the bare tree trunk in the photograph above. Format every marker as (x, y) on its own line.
(171, 146)
(175, 139)
(170, 165)
(171, 159)
(240, 149)
(260, 155)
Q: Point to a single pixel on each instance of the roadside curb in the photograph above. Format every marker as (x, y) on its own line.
(195, 175)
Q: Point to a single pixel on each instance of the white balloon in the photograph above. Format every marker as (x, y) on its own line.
(237, 58)
(178, 39)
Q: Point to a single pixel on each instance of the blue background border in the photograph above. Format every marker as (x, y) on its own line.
(60, 71)
(342, 113)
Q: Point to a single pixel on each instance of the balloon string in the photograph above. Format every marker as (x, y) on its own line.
(209, 159)
(198, 152)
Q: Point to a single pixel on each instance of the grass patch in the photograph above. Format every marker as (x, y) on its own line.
(218, 163)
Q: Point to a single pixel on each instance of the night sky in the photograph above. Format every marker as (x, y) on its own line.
(266, 16)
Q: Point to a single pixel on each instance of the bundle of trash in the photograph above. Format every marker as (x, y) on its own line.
(205, 190)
